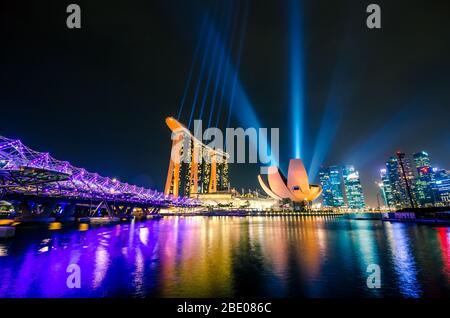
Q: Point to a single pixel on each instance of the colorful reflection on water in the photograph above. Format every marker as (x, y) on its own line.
(228, 256)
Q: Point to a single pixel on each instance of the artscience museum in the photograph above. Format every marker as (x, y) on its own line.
(295, 187)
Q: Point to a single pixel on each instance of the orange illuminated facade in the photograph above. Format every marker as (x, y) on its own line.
(194, 167)
(295, 188)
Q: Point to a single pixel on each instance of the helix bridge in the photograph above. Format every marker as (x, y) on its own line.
(39, 185)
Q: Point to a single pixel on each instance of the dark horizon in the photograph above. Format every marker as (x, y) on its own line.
(98, 96)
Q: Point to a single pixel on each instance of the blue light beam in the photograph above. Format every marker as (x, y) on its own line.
(345, 80)
(212, 67)
(201, 73)
(191, 69)
(296, 76)
(227, 69)
(238, 63)
(233, 90)
(220, 67)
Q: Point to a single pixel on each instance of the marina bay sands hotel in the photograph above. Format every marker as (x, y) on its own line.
(194, 167)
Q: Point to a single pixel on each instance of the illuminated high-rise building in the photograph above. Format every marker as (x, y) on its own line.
(441, 187)
(194, 167)
(324, 179)
(223, 183)
(421, 159)
(424, 182)
(430, 187)
(386, 189)
(401, 179)
(353, 188)
(336, 186)
(331, 180)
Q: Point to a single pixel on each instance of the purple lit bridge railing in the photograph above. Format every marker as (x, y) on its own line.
(26, 172)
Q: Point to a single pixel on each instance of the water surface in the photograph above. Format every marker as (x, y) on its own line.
(281, 256)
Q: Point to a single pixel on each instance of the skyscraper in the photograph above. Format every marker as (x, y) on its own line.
(194, 167)
(336, 186)
(441, 187)
(425, 179)
(386, 189)
(223, 183)
(430, 187)
(421, 159)
(330, 179)
(353, 188)
(401, 179)
(324, 179)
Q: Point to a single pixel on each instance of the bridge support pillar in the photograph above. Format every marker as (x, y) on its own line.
(22, 208)
(39, 214)
(68, 213)
(47, 209)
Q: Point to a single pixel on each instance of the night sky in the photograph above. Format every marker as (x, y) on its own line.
(98, 96)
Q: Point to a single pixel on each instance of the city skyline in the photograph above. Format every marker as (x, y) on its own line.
(224, 156)
(113, 99)
(406, 184)
(416, 183)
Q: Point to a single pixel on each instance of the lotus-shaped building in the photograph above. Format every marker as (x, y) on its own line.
(296, 187)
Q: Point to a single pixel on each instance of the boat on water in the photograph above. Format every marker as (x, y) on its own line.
(420, 215)
(103, 220)
(154, 217)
